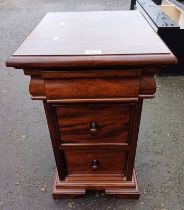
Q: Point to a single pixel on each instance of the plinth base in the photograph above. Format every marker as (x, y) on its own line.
(73, 189)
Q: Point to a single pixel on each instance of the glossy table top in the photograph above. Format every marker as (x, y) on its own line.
(85, 33)
(102, 39)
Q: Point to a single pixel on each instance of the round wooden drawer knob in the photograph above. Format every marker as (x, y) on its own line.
(95, 165)
(93, 129)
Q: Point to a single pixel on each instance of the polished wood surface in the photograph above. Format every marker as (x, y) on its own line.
(96, 162)
(92, 71)
(90, 62)
(91, 88)
(91, 39)
(137, 86)
(94, 123)
(86, 33)
(112, 184)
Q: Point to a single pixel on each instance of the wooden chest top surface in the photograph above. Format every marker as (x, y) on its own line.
(91, 38)
(85, 33)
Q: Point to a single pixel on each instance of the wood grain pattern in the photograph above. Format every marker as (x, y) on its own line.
(91, 88)
(147, 86)
(95, 145)
(92, 31)
(135, 123)
(112, 121)
(52, 45)
(116, 187)
(100, 73)
(36, 87)
(93, 101)
(81, 162)
(91, 62)
(54, 134)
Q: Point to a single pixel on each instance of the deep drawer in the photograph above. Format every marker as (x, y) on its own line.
(96, 162)
(94, 123)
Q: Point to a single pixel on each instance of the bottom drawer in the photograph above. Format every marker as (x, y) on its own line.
(96, 162)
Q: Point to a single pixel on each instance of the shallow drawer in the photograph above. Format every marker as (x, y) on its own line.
(96, 162)
(91, 123)
(91, 88)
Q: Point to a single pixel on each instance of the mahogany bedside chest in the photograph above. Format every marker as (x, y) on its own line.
(92, 71)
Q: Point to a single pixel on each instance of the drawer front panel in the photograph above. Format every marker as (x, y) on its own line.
(96, 162)
(91, 88)
(94, 123)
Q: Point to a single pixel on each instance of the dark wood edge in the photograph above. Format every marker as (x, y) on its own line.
(127, 71)
(134, 138)
(115, 73)
(119, 189)
(146, 96)
(115, 61)
(132, 193)
(58, 154)
(111, 100)
(38, 97)
(95, 146)
(95, 100)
